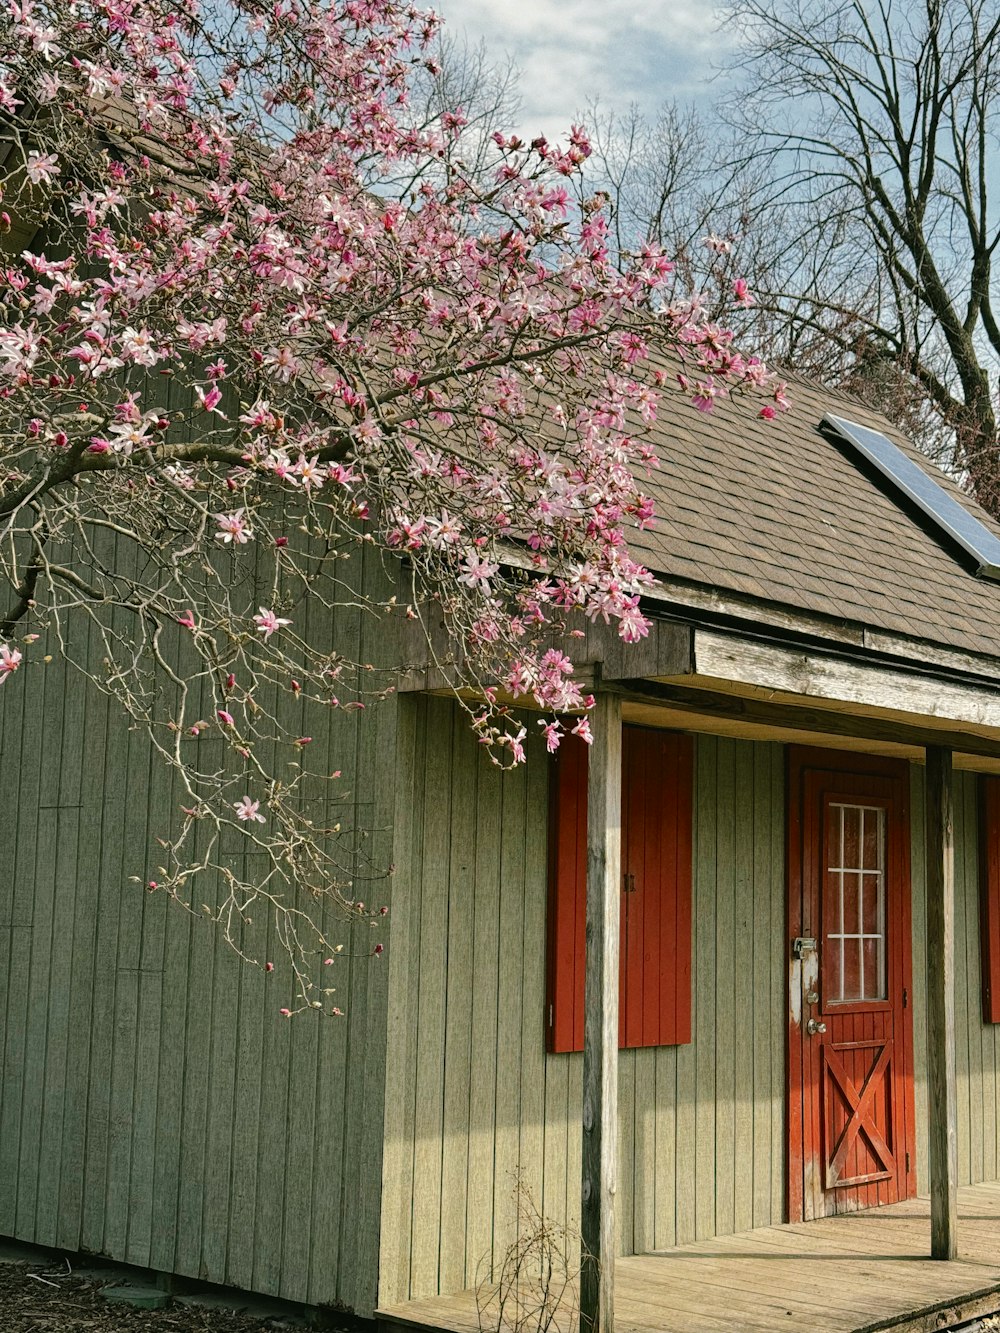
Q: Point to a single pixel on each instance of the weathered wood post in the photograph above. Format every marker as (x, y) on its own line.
(942, 1094)
(600, 1036)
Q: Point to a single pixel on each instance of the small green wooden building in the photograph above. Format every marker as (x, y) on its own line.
(787, 814)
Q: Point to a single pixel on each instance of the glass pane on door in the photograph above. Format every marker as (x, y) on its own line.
(854, 944)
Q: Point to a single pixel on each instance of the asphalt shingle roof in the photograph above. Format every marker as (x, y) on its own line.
(777, 511)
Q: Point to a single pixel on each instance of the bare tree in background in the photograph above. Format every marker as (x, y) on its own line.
(855, 192)
(464, 74)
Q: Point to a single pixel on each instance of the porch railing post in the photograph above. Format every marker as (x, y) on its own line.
(942, 1093)
(600, 1038)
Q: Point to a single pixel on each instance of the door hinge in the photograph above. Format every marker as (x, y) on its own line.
(907, 1163)
(906, 997)
(550, 1015)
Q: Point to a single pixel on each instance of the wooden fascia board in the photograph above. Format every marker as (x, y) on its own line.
(779, 718)
(681, 600)
(826, 679)
(600, 655)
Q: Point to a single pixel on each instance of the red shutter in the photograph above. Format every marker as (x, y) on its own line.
(657, 864)
(989, 896)
(567, 894)
(655, 994)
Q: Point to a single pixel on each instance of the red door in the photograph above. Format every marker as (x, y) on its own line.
(851, 1119)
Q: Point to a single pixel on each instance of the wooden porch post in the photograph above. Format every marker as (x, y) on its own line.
(942, 1094)
(600, 1036)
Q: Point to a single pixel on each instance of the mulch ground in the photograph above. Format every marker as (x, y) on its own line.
(40, 1298)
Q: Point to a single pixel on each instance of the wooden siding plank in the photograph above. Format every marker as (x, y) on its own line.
(39, 992)
(919, 904)
(533, 1065)
(706, 853)
(404, 972)
(626, 1154)
(511, 966)
(102, 1045)
(666, 1113)
(745, 928)
(480, 1190)
(779, 976)
(460, 987)
(761, 928)
(641, 1167)
(151, 926)
(359, 1285)
(429, 1070)
(178, 929)
(725, 1017)
(962, 1035)
(28, 763)
(83, 975)
(54, 1058)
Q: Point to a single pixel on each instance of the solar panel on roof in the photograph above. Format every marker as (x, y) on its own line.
(917, 485)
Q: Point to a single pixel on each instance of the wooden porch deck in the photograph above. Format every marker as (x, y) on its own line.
(854, 1274)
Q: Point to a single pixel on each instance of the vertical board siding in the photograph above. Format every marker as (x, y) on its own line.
(977, 1055)
(154, 1105)
(472, 1096)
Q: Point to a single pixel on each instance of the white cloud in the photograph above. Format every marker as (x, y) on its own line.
(571, 51)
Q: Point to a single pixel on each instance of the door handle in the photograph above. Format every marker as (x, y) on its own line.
(814, 1027)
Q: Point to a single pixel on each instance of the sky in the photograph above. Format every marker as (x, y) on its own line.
(570, 51)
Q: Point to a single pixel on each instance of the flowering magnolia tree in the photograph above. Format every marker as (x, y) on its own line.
(263, 334)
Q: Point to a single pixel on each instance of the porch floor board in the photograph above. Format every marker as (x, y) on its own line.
(860, 1273)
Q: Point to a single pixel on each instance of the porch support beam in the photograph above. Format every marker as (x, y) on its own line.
(942, 1093)
(600, 1035)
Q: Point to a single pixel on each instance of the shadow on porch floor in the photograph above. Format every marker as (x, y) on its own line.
(855, 1274)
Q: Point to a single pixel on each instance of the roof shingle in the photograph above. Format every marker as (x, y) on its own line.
(778, 511)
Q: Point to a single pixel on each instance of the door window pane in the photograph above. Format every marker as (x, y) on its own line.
(853, 959)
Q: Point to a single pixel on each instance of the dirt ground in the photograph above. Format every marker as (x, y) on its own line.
(51, 1298)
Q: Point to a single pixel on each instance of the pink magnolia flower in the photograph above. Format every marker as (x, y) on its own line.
(224, 717)
(210, 400)
(477, 573)
(582, 729)
(741, 290)
(267, 622)
(248, 811)
(233, 528)
(42, 168)
(10, 660)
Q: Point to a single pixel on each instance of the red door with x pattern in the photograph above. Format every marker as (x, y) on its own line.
(851, 1117)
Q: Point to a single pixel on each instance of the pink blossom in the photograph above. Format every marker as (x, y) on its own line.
(42, 168)
(741, 290)
(248, 811)
(210, 400)
(477, 573)
(233, 528)
(552, 732)
(224, 717)
(10, 660)
(582, 729)
(267, 622)
(632, 624)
